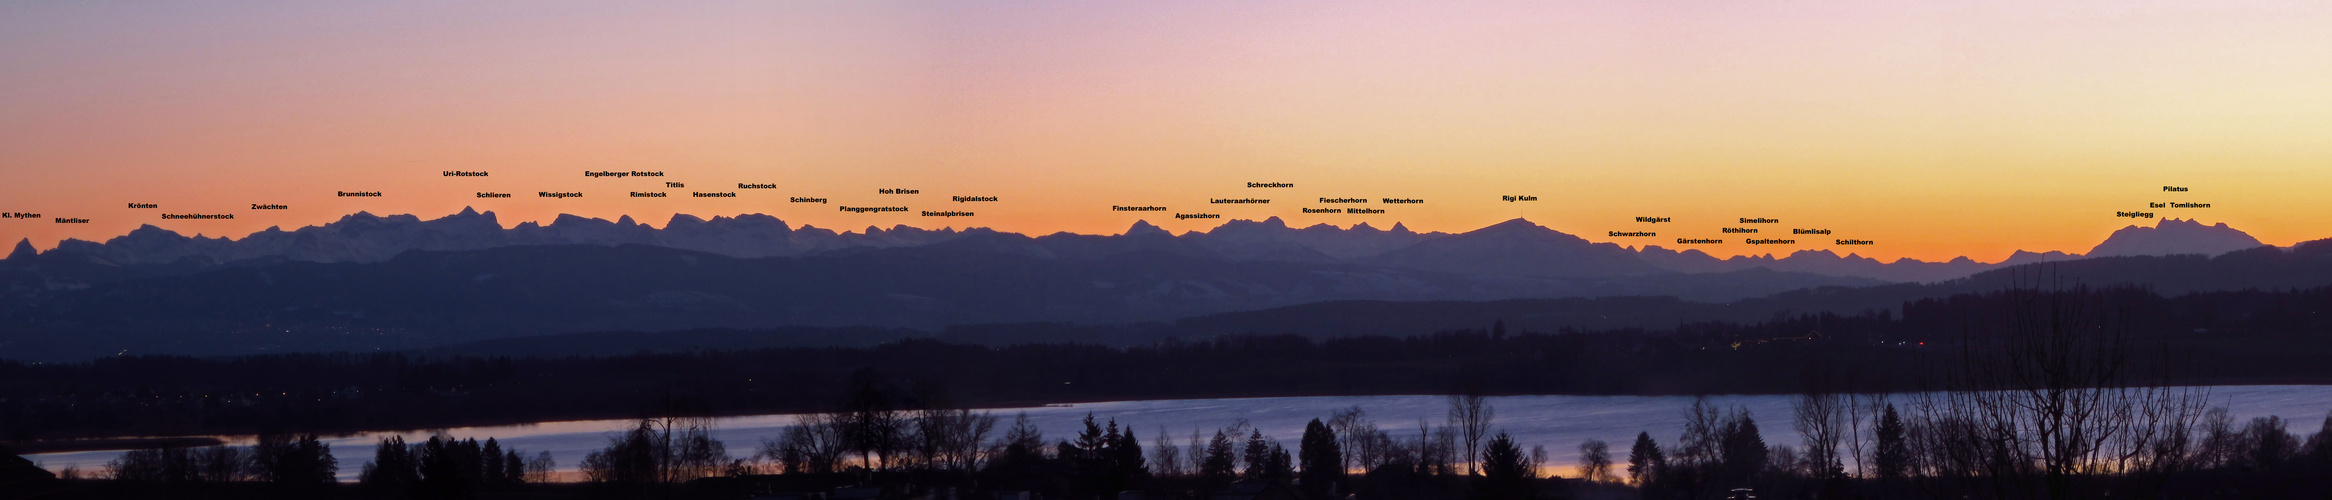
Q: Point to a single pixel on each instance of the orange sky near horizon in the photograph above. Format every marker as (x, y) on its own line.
(1934, 128)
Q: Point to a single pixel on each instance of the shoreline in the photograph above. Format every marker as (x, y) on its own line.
(123, 443)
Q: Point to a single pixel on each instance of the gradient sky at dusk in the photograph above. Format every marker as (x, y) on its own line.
(1936, 128)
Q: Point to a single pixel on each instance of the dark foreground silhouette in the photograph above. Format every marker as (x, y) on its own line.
(2031, 392)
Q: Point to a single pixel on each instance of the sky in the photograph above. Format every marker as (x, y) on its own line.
(1934, 129)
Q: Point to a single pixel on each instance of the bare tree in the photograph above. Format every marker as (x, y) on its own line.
(1348, 424)
(1595, 461)
(2044, 396)
(1435, 449)
(873, 423)
(1380, 449)
(1445, 449)
(221, 464)
(541, 468)
(2171, 453)
(1786, 462)
(1862, 412)
(174, 465)
(952, 439)
(1821, 419)
(659, 450)
(815, 444)
(693, 451)
(2268, 443)
(1195, 456)
(1702, 423)
(1470, 415)
(1165, 458)
(1539, 457)
(2220, 444)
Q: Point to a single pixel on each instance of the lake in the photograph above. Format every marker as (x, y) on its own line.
(1559, 423)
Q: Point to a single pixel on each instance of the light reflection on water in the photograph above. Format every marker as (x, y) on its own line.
(1559, 423)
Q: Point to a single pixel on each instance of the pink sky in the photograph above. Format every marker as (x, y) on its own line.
(1936, 128)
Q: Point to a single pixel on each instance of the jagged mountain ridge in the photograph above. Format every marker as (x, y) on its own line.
(1829, 263)
(364, 237)
(73, 305)
(1515, 247)
(2174, 237)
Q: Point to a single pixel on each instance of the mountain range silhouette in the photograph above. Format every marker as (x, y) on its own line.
(373, 282)
(1513, 247)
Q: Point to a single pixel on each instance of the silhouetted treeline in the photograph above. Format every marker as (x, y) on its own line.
(2220, 338)
(2047, 394)
(277, 466)
(2043, 395)
(444, 467)
(890, 438)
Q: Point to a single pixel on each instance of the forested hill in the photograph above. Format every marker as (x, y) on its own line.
(422, 299)
(2250, 337)
(429, 299)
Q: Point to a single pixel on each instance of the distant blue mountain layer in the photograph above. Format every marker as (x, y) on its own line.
(1512, 248)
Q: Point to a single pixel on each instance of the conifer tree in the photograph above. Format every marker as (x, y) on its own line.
(1257, 456)
(1645, 461)
(1741, 447)
(1321, 458)
(1220, 466)
(1893, 457)
(1506, 471)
